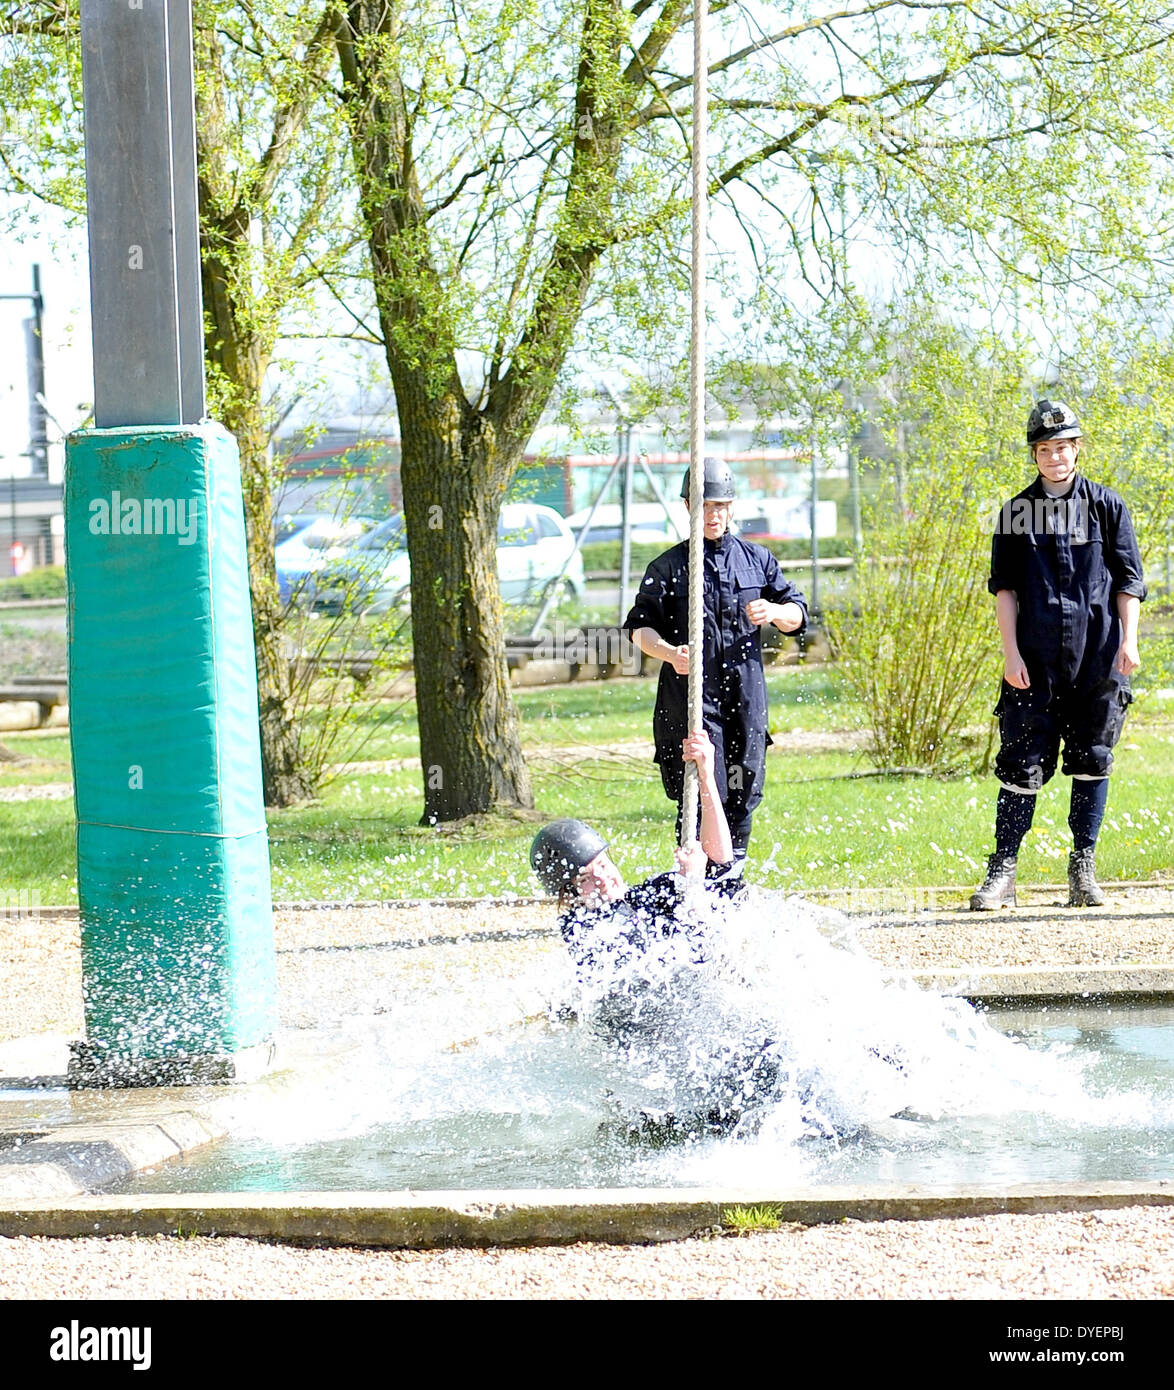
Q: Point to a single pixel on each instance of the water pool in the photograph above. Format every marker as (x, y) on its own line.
(1061, 1094)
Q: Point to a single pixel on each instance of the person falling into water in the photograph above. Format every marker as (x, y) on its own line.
(1067, 579)
(638, 953)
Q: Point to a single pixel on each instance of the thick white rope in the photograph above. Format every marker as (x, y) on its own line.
(697, 416)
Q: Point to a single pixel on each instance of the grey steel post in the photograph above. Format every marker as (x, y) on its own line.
(38, 431)
(814, 519)
(144, 240)
(38, 450)
(187, 223)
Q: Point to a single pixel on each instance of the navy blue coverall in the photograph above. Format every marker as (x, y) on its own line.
(734, 687)
(638, 957)
(1066, 559)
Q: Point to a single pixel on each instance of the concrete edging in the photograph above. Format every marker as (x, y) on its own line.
(436, 1220)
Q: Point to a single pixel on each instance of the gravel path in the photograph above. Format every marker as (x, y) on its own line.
(1097, 1255)
(1120, 1254)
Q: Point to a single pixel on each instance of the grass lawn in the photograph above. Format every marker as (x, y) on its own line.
(821, 824)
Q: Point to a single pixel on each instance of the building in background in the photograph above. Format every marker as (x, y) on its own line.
(32, 527)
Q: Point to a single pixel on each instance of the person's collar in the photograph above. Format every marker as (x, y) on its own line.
(1058, 490)
(1039, 489)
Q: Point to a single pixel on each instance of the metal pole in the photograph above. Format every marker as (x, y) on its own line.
(814, 528)
(39, 442)
(624, 440)
(146, 311)
(38, 450)
(690, 795)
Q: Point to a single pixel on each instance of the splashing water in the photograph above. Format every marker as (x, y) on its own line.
(787, 1026)
(787, 1054)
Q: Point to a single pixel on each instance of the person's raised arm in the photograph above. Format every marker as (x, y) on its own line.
(715, 839)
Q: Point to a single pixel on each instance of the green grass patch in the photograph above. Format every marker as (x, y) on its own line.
(37, 851)
(744, 1221)
(44, 758)
(29, 649)
(821, 826)
(618, 711)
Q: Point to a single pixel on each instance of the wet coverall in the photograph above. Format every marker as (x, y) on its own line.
(638, 959)
(734, 689)
(1066, 559)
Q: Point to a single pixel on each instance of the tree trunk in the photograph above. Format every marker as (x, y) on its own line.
(238, 344)
(240, 358)
(458, 459)
(469, 745)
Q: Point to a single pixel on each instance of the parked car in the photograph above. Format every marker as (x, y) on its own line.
(533, 545)
(300, 557)
(290, 523)
(647, 523)
(374, 576)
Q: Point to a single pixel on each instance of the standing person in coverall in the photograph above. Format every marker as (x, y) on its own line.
(744, 589)
(1066, 575)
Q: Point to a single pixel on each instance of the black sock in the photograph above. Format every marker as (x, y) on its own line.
(1013, 816)
(1086, 811)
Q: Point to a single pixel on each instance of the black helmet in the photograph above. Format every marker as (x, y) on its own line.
(719, 481)
(1051, 420)
(560, 850)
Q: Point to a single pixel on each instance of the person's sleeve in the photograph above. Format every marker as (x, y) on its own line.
(656, 895)
(648, 608)
(725, 878)
(777, 588)
(1004, 555)
(1122, 554)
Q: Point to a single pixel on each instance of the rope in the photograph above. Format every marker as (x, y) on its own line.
(697, 418)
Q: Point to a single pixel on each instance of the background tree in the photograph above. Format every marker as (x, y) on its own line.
(917, 642)
(523, 172)
(270, 160)
(523, 175)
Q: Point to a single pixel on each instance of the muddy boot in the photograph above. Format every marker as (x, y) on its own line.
(998, 888)
(1083, 888)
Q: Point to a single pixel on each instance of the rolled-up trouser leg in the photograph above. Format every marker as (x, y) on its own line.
(1092, 719)
(740, 832)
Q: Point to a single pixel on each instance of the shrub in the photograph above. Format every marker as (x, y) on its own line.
(919, 645)
(46, 582)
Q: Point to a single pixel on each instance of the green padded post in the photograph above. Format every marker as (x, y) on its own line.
(178, 960)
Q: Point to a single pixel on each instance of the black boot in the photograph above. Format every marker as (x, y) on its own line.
(1083, 888)
(998, 888)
